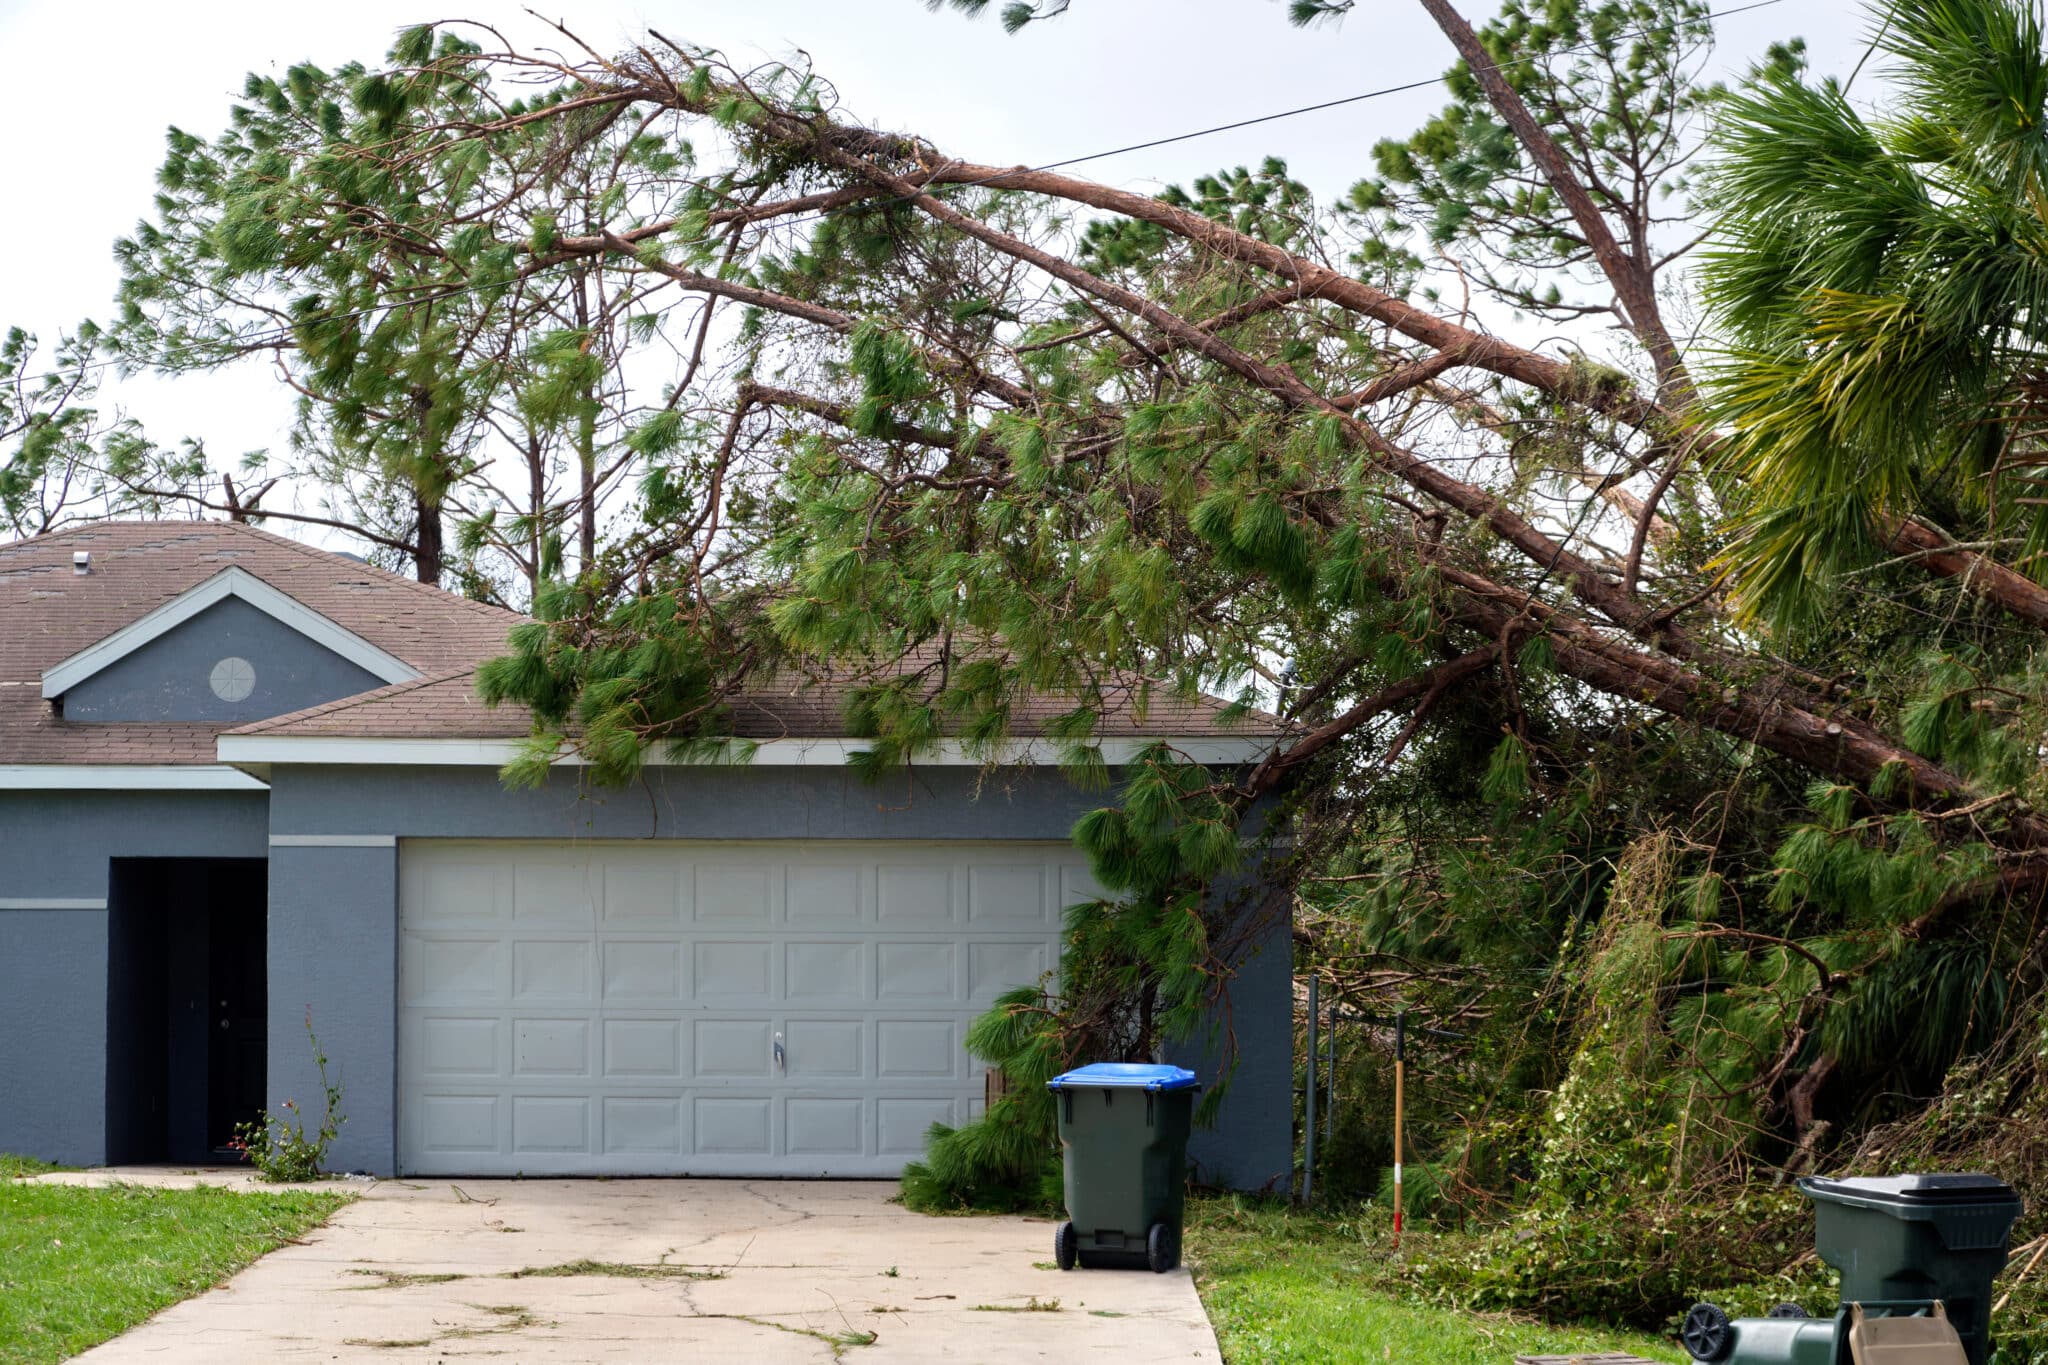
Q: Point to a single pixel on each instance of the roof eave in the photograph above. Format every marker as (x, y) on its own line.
(129, 777)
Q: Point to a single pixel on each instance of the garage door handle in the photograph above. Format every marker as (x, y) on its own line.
(778, 1052)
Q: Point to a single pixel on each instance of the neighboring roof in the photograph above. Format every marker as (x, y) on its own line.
(49, 614)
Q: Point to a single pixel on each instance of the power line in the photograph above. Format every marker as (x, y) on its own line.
(285, 334)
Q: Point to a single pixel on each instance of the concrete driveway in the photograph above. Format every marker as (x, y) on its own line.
(666, 1270)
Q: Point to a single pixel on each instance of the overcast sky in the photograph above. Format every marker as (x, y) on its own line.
(91, 87)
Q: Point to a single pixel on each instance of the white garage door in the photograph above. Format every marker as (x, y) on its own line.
(763, 1008)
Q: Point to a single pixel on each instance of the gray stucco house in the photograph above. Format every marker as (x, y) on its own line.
(243, 781)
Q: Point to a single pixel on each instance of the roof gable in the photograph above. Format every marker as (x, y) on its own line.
(235, 582)
(50, 614)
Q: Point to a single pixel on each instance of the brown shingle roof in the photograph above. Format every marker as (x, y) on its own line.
(48, 613)
(446, 707)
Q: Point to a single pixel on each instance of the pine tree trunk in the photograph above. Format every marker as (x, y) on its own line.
(427, 542)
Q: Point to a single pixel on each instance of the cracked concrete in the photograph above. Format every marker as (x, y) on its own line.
(758, 1271)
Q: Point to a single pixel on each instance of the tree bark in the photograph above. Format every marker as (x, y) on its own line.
(426, 555)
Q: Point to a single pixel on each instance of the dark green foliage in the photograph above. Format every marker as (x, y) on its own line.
(1006, 1161)
(1880, 278)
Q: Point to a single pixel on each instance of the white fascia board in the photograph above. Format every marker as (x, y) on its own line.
(229, 582)
(771, 753)
(134, 777)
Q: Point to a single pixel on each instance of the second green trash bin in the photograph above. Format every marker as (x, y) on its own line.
(1124, 1140)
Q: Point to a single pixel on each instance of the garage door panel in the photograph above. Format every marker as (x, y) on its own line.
(446, 971)
(825, 894)
(901, 1124)
(643, 1126)
(643, 1049)
(917, 1049)
(639, 972)
(739, 971)
(1007, 895)
(550, 1125)
(819, 971)
(823, 1126)
(728, 894)
(912, 895)
(728, 1049)
(455, 1047)
(552, 969)
(590, 1007)
(733, 1125)
(646, 888)
(470, 888)
(459, 1125)
(999, 965)
(557, 893)
(550, 1047)
(825, 1049)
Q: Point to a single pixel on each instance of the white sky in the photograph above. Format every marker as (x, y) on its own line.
(91, 88)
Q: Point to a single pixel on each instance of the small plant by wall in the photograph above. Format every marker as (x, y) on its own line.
(277, 1145)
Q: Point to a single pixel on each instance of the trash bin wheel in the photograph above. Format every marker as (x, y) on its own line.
(1787, 1310)
(1064, 1248)
(1162, 1248)
(1706, 1333)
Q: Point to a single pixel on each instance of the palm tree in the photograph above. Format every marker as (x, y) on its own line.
(1881, 285)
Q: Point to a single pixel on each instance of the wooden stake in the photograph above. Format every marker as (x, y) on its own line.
(1400, 1070)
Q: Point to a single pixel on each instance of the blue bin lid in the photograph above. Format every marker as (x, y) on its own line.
(1125, 1076)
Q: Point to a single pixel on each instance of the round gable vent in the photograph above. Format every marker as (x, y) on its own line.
(232, 679)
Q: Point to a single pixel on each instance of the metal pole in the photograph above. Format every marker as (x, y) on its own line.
(1308, 1155)
(1400, 1068)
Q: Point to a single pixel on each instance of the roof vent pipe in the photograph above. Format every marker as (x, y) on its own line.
(81, 562)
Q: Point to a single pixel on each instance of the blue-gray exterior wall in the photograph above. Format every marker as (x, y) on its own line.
(679, 803)
(333, 950)
(333, 939)
(1249, 1044)
(54, 850)
(334, 908)
(170, 677)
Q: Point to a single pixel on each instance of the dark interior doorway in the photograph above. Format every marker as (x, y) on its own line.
(187, 1022)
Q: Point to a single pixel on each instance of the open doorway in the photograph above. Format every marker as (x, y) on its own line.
(187, 1008)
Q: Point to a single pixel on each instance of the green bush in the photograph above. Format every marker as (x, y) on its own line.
(1622, 1259)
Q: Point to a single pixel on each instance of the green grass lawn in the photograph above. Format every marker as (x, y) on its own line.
(78, 1266)
(1282, 1285)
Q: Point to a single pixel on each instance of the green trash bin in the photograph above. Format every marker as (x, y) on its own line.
(1918, 1238)
(1903, 1244)
(1124, 1140)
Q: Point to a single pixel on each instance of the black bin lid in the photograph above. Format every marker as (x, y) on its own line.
(1910, 1191)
